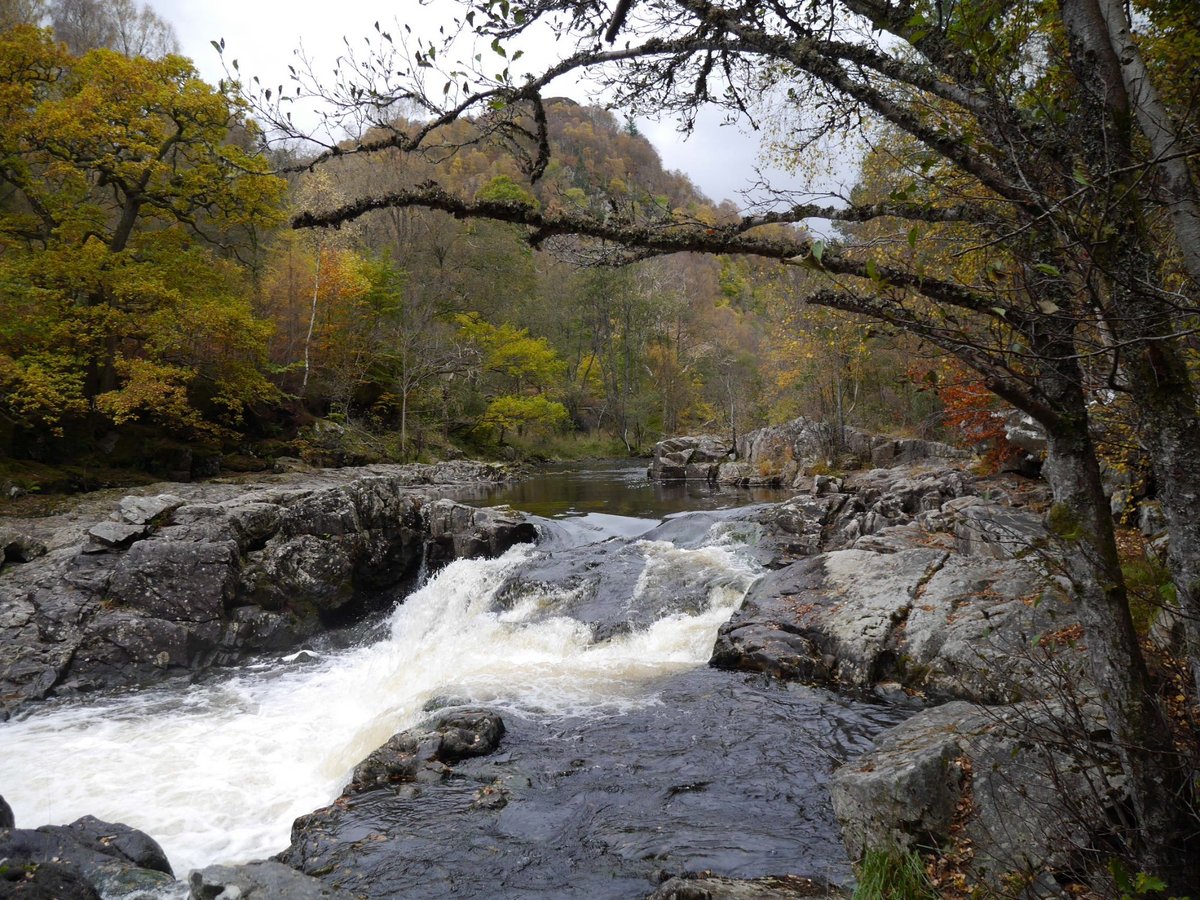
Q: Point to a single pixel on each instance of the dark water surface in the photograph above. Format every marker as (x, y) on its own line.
(616, 487)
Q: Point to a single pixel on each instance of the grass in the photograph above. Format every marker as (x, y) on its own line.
(893, 875)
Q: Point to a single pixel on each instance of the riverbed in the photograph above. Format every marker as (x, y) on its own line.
(626, 756)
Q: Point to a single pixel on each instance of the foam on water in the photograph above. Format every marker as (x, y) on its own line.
(218, 772)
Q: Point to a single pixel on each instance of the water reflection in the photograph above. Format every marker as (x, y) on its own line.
(616, 487)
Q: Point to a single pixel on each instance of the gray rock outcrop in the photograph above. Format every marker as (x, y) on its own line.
(778, 454)
(206, 575)
(689, 458)
(902, 578)
(1003, 781)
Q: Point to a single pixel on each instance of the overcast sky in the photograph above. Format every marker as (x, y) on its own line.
(262, 35)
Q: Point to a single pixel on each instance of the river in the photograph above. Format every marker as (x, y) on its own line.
(635, 757)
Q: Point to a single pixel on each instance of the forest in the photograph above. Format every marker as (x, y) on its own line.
(160, 315)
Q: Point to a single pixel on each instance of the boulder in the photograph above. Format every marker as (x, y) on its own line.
(426, 754)
(259, 880)
(827, 619)
(24, 879)
(695, 458)
(988, 528)
(1014, 789)
(464, 532)
(896, 613)
(114, 859)
(6, 815)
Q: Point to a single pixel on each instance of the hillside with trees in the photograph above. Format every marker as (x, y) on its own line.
(161, 317)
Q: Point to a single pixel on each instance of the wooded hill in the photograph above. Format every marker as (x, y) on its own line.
(156, 312)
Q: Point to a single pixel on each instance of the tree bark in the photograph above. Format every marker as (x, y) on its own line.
(1137, 313)
(1157, 124)
(1081, 522)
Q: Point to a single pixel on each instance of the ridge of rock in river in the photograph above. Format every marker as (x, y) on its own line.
(193, 576)
(779, 454)
(921, 585)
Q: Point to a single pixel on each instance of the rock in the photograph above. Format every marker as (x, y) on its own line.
(899, 452)
(115, 860)
(463, 532)
(148, 510)
(6, 815)
(17, 547)
(24, 879)
(998, 780)
(991, 631)
(426, 754)
(985, 528)
(826, 619)
(116, 593)
(177, 581)
(415, 766)
(1151, 520)
(688, 458)
(714, 887)
(260, 880)
(1026, 434)
(115, 535)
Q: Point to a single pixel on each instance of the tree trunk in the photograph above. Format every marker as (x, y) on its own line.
(1166, 144)
(1081, 521)
(1138, 315)
(312, 321)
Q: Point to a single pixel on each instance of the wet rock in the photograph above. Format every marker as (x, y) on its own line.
(260, 880)
(427, 754)
(114, 859)
(24, 879)
(714, 887)
(599, 806)
(6, 815)
(464, 532)
(1014, 782)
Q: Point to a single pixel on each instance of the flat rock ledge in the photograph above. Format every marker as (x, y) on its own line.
(348, 846)
(124, 591)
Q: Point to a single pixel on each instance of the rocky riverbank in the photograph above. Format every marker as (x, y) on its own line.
(921, 585)
(131, 590)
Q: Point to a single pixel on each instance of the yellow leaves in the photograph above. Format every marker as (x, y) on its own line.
(150, 390)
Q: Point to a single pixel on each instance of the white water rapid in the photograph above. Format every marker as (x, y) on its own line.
(216, 773)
